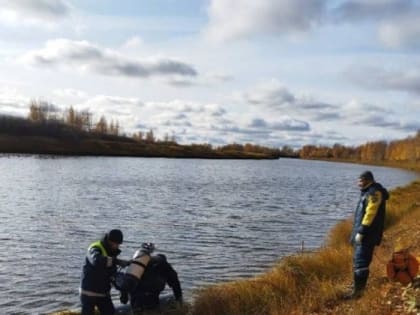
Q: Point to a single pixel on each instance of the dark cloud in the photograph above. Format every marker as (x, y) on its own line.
(258, 123)
(85, 55)
(218, 112)
(381, 121)
(273, 96)
(180, 116)
(327, 116)
(174, 123)
(410, 126)
(291, 125)
(277, 97)
(385, 80)
(284, 125)
(354, 11)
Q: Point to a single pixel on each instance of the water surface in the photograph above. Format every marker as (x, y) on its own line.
(215, 220)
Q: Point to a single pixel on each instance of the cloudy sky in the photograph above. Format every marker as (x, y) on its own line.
(271, 72)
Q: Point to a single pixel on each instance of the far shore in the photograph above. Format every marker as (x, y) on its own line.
(10, 144)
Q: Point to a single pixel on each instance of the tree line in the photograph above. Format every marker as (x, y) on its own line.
(404, 150)
(46, 120)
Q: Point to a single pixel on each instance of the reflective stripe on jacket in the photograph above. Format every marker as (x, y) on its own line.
(98, 270)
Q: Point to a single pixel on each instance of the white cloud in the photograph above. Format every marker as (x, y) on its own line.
(12, 102)
(401, 32)
(242, 18)
(133, 43)
(88, 57)
(70, 93)
(33, 12)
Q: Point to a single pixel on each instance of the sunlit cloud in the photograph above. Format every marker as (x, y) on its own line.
(43, 13)
(243, 18)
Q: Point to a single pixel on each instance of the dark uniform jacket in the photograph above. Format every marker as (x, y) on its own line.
(157, 274)
(369, 218)
(99, 269)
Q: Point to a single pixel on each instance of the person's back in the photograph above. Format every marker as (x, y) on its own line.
(157, 274)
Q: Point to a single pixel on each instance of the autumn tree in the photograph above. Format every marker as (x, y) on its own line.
(150, 136)
(138, 136)
(101, 125)
(42, 111)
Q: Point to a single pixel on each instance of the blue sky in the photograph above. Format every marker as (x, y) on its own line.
(271, 72)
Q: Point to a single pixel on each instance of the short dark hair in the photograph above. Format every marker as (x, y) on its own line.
(367, 175)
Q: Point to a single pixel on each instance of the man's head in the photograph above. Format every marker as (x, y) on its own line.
(114, 238)
(365, 179)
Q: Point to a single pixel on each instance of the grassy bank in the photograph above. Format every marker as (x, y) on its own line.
(313, 283)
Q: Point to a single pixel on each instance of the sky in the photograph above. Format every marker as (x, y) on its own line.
(268, 72)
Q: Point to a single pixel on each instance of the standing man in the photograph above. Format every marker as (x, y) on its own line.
(98, 270)
(368, 226)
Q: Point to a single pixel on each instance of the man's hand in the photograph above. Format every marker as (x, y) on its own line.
(358, 239)
(121, 262)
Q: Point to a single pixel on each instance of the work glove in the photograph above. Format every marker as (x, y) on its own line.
(123, 297)
(121, 262)
(358, 238)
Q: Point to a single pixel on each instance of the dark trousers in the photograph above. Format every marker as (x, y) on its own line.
(104, 304)
(362, 258)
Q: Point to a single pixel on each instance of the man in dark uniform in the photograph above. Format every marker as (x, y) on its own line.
(368, 226)
(98, 271)
(158, 273)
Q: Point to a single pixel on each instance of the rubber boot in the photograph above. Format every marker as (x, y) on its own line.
(359, 285)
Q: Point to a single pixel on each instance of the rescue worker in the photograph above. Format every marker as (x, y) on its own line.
(403, 266)
(98, 271)
(158, 273)
(368, 226)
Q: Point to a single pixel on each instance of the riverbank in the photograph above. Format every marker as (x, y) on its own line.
(312, 283)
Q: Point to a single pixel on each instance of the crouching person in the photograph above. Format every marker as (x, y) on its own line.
(127, 280)
(403, 266)
(99, 269)
(146, 295)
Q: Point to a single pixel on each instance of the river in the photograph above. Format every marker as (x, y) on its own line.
(216, 220)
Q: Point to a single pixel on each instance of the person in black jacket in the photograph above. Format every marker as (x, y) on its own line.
(368, 226)
(98, 271)
(158, 273)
